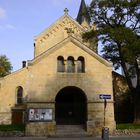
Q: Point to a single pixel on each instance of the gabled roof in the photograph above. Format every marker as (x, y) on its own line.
(78, 44)
(66, 15)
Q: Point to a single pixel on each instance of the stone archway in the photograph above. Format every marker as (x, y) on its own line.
(70, 106)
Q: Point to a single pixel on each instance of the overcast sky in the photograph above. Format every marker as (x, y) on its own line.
(22, 20)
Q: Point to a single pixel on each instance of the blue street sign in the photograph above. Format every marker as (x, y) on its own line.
(105, 96)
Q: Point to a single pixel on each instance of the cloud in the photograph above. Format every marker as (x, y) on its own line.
(2, 13)
(7, 27)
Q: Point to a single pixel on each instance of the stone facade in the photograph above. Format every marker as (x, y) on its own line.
(41, 81)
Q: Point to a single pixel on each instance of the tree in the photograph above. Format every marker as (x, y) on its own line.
(5, 66)
(118, 29)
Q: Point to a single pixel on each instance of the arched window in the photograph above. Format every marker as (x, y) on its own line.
(81, 64)
(60, 64)
(19, 95)
(70, 64)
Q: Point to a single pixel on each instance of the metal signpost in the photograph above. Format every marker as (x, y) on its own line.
(105, 97)
(105, 130)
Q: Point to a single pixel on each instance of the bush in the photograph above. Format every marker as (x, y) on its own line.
(12, 127)
(128, 126)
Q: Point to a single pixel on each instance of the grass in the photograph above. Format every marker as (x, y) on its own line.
(12, 127)
(22, 127)
(128, 126)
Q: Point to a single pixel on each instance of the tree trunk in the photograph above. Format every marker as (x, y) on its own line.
(137, 105)
(135, 91)
(125, 69)
(137, 96)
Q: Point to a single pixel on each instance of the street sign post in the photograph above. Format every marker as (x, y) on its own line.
(105, 130)
(104, 97)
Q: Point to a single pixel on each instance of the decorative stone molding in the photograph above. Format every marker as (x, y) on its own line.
(62, 22)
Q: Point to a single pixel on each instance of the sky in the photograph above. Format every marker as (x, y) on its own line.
(22, 20)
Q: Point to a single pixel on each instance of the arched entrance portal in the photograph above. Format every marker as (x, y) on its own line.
(71, 106)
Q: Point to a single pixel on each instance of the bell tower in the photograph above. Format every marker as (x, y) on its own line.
(83, 17)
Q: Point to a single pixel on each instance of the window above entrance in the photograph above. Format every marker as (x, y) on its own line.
(71, 65)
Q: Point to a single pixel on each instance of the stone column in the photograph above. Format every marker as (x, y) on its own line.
(65, 63)
(75, 63)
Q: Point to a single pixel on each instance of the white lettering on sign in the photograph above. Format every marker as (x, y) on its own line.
(105, 96)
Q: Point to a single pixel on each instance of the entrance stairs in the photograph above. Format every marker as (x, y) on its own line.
(70, 131)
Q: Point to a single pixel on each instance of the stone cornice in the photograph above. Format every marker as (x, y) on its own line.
(78, 43)
(59, 23)
(14, 73)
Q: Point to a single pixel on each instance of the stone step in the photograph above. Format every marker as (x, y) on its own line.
(70, 131)
(70, 127)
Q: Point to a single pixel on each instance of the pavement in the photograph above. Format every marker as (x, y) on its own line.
(78, 138)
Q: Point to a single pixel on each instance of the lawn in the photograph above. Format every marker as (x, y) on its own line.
(22, 127)
(12, 127)
(128, 126)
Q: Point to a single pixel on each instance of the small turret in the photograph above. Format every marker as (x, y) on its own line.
(83, 16)
(83, 19)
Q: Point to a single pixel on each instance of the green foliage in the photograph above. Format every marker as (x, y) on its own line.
(89, 35)
(128, 126)
(12, 127)
(5, 66)
(118, 30)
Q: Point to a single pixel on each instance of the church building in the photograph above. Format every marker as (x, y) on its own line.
(62, 85)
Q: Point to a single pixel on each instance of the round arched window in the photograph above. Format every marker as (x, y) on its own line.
(60, 64)
(70, 64)
(19, 95)
(81, 64)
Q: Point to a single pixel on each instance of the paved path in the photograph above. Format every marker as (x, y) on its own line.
(80, 138)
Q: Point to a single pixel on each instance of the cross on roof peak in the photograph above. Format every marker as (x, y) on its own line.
(66, 11)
